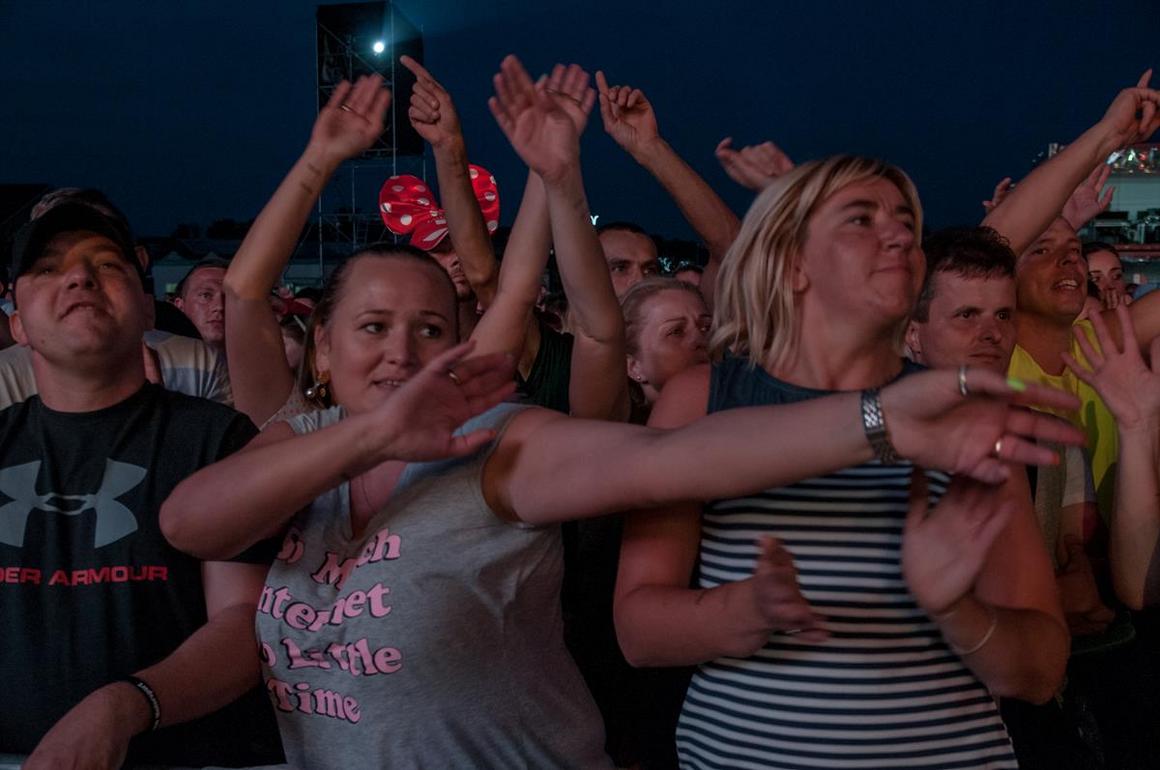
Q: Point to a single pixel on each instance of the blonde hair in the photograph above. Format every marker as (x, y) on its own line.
(633, 302)
(755, 310)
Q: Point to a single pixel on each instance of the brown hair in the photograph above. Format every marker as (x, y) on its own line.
(332, 292)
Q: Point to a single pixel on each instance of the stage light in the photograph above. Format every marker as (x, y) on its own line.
(378, 47)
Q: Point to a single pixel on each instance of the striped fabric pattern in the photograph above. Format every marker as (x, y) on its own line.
(884, 691)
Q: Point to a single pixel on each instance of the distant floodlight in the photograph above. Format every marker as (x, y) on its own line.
(379, 46)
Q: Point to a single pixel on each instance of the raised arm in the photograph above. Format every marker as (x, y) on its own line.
(1037, 200)
(433, 116)
(1131, 389)
(508, 325)
(543, 125)
(754, 168)
(346, 126)
(629, 119)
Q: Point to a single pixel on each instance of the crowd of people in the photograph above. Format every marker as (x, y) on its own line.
(849, 495)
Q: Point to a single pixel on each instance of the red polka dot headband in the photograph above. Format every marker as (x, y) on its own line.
(408, 207)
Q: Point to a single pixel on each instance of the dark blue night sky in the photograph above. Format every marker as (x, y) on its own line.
(192, 111)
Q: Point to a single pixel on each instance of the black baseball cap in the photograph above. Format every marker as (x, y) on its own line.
(30, 241)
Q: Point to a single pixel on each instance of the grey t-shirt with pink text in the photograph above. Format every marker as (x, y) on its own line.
(433, 640)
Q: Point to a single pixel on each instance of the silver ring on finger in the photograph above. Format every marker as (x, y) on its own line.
(963, 382)
(346, 108)
(998, 451)
(454, 377)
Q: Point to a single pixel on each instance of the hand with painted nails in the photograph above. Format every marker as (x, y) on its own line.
(932, 424)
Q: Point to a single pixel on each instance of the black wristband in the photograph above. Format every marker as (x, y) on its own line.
(150, 697)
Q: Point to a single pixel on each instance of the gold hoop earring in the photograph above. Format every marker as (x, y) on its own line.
(319, 390)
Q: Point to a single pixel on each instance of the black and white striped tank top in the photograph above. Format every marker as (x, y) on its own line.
(884, 691)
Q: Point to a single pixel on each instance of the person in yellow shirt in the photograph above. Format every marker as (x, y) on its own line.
(1051, 285)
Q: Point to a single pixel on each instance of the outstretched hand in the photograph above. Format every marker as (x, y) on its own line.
(419, 421)
(1001, 191)
(1134, 114)
(1086, 203)
(933, 425)
(352, 119)
(628, 116)
(753, 167)
(778, 598)
(540, 131)
(944, 548)
(1126, 383)
(568, 87)
(432, 113)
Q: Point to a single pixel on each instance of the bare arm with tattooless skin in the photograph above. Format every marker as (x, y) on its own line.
(259, 375)
(1131, 389)
(630, 120)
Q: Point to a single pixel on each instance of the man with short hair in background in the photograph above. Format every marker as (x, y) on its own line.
(200, 296)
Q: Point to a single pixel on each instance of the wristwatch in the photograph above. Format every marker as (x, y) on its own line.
(874, 424)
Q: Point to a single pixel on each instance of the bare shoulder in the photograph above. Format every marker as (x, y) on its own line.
(684, 399)
(526, 423)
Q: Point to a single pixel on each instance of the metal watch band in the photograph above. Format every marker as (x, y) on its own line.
(874, 424)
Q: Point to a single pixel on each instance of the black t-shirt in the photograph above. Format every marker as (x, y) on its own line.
(90, 590)
(547, 382)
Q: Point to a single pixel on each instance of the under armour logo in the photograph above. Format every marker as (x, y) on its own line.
(114, 521)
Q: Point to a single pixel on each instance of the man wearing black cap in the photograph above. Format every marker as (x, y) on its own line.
(179, 359)
(109, 632)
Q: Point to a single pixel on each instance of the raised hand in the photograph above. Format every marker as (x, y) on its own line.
(568, 86)
(1133, 116)
(540, 131)
(778, 598)
(932, 424)
(944, 549)
(352, 119)
(1126, 383)
(1000, 192)
(628, 116)
(1111, 298)
(753, 167)
(1086, 202)
(432, 113)
(418, 422)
